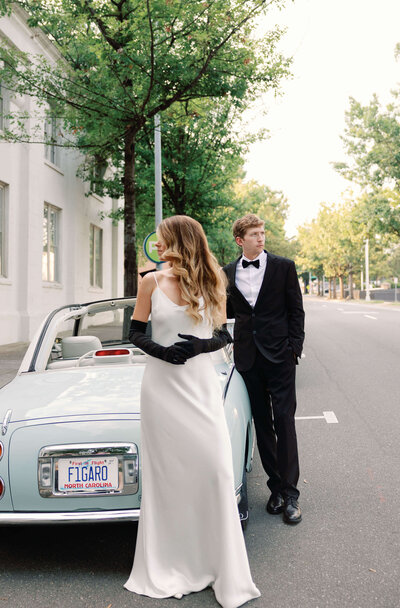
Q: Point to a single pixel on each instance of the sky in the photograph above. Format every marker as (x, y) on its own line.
(341, 49)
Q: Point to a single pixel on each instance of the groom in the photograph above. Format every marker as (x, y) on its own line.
(265, 299)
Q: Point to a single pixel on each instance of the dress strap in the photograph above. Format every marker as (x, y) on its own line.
(155, 278)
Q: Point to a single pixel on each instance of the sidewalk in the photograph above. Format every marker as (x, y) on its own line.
(379, 303)
(11, 356)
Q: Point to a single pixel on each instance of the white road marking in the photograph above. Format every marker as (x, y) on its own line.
(354, 312)
(330, 417)
(370, 317)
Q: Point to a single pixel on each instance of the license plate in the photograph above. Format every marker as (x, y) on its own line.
(97, 474)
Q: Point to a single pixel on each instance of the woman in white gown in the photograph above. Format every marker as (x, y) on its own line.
(189, 534)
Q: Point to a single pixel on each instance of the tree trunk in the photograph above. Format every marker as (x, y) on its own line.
(334, 295)
(341, 284)
(351, 293)
(332, 288)
(130, 262)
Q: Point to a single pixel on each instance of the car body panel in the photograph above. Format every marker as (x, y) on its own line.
(85, 402)
(23, 462)
(76, 391)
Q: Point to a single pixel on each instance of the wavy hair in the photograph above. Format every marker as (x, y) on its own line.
(197, 270)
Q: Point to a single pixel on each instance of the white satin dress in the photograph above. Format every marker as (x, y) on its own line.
(189, 534)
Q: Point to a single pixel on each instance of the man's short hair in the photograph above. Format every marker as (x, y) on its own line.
(243, 224)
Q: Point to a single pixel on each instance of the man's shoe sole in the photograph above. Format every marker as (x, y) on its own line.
(292, 522)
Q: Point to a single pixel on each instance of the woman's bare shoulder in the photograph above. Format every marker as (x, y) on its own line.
(148, 282)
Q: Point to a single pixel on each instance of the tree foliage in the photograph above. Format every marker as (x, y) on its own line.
(372, 142)
(121, 62)
(333, 244)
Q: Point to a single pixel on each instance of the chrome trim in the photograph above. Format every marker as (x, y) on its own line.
(6, 421)
(4, 488)
(1, 449)
(51, 454)
(74, 517)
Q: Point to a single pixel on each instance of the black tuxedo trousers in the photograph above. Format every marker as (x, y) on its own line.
(272, 393)
(268, 338)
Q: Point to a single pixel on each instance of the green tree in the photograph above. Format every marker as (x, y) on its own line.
(309, 257)
(124, 61)
(333, 244)
(372, 142)
(202, 149)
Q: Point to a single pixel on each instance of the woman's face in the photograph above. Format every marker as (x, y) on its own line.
(160, 246)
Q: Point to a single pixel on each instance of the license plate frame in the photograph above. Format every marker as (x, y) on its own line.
(88, 475)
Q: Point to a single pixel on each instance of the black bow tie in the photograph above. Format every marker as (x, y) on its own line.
(256, 263)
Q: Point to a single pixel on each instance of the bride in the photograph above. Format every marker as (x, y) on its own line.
(189, 534)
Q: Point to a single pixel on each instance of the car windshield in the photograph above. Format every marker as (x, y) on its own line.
(107, 323)
(111, 326)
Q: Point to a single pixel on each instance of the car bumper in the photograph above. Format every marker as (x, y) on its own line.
(77, 517)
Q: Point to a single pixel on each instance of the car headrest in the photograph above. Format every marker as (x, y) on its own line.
(76, 346)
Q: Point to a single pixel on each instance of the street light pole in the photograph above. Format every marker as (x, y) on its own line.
(367, 294)
(157, 169)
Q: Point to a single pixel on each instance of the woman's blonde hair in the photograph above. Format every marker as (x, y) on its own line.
(195, 267)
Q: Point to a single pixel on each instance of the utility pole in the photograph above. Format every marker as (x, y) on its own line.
(157, 169)
(367, 294)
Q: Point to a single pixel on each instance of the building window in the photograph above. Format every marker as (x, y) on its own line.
(52, 137)
(51, 250)
(3, 228)
(96, 256)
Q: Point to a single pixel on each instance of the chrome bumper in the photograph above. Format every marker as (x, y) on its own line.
(77, 517)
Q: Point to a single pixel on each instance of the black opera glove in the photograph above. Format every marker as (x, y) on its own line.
(195, 346)
(172, 354)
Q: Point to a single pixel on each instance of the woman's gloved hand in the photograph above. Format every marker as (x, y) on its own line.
(174, 354)
(195, 346)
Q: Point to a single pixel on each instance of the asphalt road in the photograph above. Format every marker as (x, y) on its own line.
(345, 553)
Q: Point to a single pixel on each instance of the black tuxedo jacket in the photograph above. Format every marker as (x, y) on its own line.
(275, 326)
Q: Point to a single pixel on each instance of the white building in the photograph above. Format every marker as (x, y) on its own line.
(54, 248)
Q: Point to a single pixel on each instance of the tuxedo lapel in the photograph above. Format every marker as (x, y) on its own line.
(232, 280)
(269, 271)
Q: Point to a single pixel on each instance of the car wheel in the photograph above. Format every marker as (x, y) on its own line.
(244, 503)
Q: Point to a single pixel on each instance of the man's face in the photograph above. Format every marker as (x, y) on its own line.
(252, 242)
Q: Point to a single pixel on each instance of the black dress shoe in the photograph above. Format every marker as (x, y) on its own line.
(275, 504)
(291, 511)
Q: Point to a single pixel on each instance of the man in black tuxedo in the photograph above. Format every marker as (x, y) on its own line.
(265, 299)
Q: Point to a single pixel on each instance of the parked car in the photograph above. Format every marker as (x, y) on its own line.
(70, 421)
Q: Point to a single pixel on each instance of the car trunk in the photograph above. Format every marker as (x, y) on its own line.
(75, 392)
(27, 442)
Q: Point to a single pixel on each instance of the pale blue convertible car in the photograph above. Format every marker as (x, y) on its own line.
(70, 421)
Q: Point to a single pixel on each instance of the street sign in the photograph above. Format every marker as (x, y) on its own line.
(149, 247)
(395, 280)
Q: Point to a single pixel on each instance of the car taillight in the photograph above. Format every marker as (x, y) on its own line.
(1, 450)
(116, 351)
(45, 474)
(2, 488)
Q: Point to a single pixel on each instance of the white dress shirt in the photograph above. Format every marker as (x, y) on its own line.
(249, 280)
